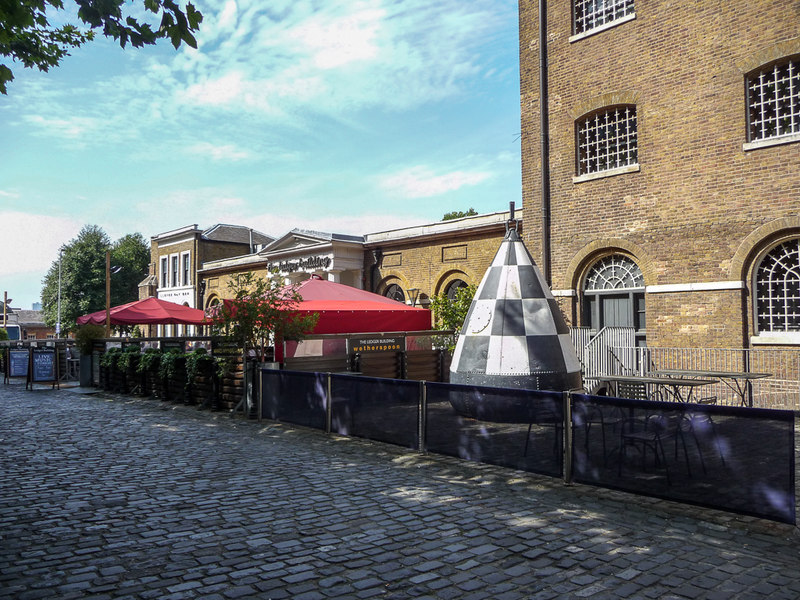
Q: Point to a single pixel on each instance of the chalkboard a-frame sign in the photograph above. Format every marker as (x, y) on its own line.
(43, 367)
(16, 363)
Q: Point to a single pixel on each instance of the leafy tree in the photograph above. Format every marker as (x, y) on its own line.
(3, 334)
(130, 256)
(449, 314)
(83, 275)
(457, 214)
(260, 311)
(27, 36)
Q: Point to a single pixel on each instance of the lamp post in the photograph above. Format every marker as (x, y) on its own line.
(5, 308)
(413, 293)
(58, 318)
(109, 270)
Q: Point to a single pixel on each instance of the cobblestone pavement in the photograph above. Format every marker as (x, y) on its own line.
(115, 497)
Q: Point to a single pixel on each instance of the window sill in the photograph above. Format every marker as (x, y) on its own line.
(603, 174)
(605, 27)
(768, 143)
(776, 339)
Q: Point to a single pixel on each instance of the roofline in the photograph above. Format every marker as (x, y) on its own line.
(461, 226)
(181, 230)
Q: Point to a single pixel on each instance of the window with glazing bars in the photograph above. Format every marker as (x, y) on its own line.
(590, 14)
(607, 140)
(773, 101)
(778, 289)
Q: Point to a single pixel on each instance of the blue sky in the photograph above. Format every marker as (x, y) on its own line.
(337, 115)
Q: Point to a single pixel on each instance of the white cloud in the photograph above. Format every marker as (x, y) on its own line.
(421, 182)
(72, 128)
(335, 42)
(25, 252)
(219, 152)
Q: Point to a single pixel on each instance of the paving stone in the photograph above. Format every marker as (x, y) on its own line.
(110, 497)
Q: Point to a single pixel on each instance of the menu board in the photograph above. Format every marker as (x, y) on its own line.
(18, 363)
(44, 365)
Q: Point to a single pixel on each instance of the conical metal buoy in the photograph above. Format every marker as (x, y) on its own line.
(514, 335)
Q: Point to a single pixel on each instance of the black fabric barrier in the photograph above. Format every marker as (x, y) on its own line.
(732, 458)
(294, 397)
(386, 410)
(521, 429)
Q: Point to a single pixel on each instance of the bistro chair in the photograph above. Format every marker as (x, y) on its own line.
(648, 434)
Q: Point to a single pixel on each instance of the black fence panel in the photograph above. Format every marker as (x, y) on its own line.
(385, 410)
(521, 429)
(294, 397)
(735, 459)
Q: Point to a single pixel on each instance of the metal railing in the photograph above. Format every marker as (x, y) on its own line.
(731, 458)
(613, 351)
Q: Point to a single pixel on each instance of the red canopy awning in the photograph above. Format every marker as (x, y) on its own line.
(345, 309)
(150, 311)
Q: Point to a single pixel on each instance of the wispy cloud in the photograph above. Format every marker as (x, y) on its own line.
(422, 182)
(36, 257)
(286, 63)
(219, 152)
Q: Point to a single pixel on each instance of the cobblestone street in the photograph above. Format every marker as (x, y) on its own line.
(117, 497)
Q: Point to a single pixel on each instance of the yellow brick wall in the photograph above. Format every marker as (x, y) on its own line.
(431, 265)
(698, 195)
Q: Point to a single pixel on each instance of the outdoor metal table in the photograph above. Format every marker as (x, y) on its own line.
(740, 382)
(672, 385)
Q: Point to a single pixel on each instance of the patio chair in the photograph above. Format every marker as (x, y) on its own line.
(592, 416)
(649, 433)
(547, 417)
(698, 422)
(631, 389)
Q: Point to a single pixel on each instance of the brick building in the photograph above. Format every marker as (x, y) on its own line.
(177, 255)
(294, 257)
(433, 259)
(674, 166)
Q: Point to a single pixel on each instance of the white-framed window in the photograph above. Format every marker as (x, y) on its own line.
(773, 101)
(174, 261)
(607, 140)
(777, 288)
(594, 14)
(186, 269)
(164, 271)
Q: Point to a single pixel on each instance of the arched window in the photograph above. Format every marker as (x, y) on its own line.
(613, 273)
(395, 292)
(613, 295)
(453, 287)
(777, 285)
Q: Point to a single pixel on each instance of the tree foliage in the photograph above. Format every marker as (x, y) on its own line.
(260, 312)
(27, 35)
(457, 214)
(450, 314)
(83, 275)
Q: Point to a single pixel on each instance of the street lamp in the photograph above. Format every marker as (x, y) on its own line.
(109, 270)
(413, 294)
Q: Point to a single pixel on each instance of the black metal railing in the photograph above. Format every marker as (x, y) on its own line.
(730, 458)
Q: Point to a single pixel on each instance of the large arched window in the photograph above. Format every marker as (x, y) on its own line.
(453, 287)
(613, 295)
(777, 285)
(395, 292)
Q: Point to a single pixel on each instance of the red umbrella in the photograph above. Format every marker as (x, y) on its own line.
(150, 311)
(345, 309)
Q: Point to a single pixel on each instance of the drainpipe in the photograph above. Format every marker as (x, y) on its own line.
(545, 140)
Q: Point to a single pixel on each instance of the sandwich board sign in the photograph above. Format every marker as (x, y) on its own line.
(43, 366)
(16, 363)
